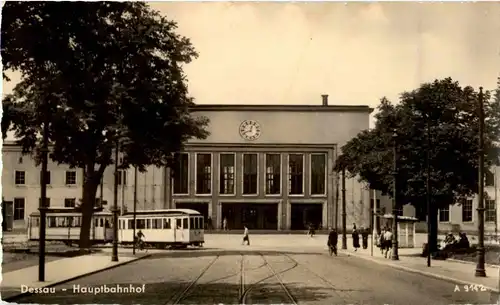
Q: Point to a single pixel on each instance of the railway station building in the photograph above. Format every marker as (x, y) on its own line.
(269, 167)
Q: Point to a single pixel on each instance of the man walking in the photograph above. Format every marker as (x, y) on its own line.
(387, 242)
(246, 238)
(224, 224)
(332, 241)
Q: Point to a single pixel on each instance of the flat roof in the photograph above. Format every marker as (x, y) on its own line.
(268, 107)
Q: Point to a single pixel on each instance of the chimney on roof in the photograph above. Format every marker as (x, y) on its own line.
(325, 99)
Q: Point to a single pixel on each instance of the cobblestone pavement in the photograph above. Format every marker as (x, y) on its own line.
(253, 275)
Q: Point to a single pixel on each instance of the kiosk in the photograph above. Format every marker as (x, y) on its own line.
(406, 229)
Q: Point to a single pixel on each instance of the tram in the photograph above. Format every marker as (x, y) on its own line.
(64, 226)
(177, 228)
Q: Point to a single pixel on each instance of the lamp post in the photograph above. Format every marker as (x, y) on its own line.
(43, 199)
(395, 255)
(114, 256)
(428, 189)
(480, 270)
(135, 207)
(344, 213)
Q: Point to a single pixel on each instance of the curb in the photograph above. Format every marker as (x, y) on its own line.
(471, 263)
(19, 295)
(425, 273)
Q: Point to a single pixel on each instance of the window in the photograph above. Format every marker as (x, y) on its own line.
(491, 211)
(444, 214)
(318, 174)
(467, 210)
(296, 174)
(47, 202)
(70, 177)
(226, 178)
(166, 223)
(20, 178)
(47, 176)
(69, 202)
(185, 223)
(122, 177)
(141, 224)
(489, 178)
(156, 223)
(250, 169)
(181, 174)
(19, 206)
(273, 174)
(191, 223)
(204, 174)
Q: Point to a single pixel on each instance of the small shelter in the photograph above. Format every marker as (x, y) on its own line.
(406, 229)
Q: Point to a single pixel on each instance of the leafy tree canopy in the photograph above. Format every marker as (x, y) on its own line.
(98, 73)
(451, 111)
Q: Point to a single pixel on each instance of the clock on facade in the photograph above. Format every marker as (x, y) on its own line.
(250, 130)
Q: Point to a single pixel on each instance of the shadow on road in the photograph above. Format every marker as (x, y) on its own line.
(224, 252)
(163, 292)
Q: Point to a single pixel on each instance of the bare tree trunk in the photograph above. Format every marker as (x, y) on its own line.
(90, 185)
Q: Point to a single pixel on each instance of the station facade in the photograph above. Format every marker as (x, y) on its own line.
(269, 167)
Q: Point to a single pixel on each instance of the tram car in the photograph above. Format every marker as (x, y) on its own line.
(178, 228)
(64, 226)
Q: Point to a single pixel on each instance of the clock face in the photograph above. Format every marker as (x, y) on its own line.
(250, 130)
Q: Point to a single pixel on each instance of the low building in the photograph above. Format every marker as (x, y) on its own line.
(268, 167)
(461, 216)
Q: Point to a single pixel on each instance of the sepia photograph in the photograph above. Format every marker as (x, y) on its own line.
(165, 153)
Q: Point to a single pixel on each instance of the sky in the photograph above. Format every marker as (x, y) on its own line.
(357, 53)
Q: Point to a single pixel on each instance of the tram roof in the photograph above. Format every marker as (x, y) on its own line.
(166, 212)
(69, 212)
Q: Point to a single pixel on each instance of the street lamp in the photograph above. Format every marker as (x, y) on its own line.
(480, 270)
(43, 198)
(114, 256)
(135, 208)
(428, 189)
(344, 213)
(395, 255)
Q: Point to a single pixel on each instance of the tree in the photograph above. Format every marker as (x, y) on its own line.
(451, 113)
(100, 74)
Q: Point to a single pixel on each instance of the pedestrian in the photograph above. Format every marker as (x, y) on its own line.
(381, 242)
(246, 237)
(355, 238)
(364, 237)
(311, 229)
(224, 224)
(209, 223)
(332, 241)
(387, 242)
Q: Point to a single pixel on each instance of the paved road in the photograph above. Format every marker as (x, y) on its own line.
(259, 277)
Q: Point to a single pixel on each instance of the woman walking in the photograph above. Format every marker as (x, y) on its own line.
(355, 238)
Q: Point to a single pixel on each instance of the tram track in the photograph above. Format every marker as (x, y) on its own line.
(246, 289)
(178, 297)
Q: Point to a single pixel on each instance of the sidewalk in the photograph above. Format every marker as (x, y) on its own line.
(459, 272)
(58, 272)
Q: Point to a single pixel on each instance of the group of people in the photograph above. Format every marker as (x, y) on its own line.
(450, 243)
(384, 241)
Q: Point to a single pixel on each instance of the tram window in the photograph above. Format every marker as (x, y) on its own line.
(101, 222)
(185, 223)
(201, 222)
(51, 222)
(130, 224)
(179, 223)
(148, 223)
(166, 223)
(191, 223)
(156, 223)
(141, 224)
